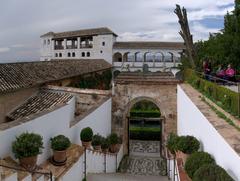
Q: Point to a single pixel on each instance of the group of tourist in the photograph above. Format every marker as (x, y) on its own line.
(226, 74)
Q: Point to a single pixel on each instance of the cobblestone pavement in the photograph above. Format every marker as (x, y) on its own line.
(144, 159)
(144, 148)
(139, 165)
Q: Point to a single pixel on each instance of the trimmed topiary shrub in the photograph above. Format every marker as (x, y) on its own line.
(60, 143)
(172, 142)
(105, 143)
(113, 139)
(188, 144)
(97, 140)
(27, 145)
(211, 172)
(196, 160)
(86, 134)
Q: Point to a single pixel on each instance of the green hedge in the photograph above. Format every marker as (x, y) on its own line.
(197, 160)
(211, 172)
(145, 133)
(145, 113)
(222, 96)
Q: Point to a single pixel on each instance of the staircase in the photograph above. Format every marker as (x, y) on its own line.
(144, 163)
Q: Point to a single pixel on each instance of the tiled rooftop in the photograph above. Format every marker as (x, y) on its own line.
(42, 101)
(146, 78)
(82, 32)
(14, 76)
(87, 100)
(149, 45)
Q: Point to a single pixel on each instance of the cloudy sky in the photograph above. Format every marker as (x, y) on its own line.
(23, 21)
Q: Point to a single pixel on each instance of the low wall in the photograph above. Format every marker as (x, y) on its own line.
(192, 122)
(58, 122)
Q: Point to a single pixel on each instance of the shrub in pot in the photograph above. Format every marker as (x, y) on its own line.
(105, 145)
(26, 148)
(113, 141)
(86, 137)
(60, 144)
(96, 142)
(196, 160)
(172, 142)
(187, 145)
(211, 172)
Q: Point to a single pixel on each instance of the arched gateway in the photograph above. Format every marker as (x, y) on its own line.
(132, 87)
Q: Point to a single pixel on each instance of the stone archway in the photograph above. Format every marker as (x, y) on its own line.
(162, 92)
(159, 120)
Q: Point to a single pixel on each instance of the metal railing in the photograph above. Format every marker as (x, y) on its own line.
(233, 85)
(58, 47)
(49, 174)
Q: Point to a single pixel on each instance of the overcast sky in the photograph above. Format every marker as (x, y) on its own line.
(23, 21)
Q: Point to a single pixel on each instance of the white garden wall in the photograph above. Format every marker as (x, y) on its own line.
(58, 122)
(192, 122)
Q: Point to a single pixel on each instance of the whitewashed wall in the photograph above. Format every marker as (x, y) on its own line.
(76, 173)
(192, 122)
(96, 161)
(58, 122)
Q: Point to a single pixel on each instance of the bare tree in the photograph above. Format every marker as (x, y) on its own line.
(186, 34)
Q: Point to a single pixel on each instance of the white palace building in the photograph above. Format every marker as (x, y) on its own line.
(101, 43)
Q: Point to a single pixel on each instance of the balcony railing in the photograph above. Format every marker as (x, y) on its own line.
(86, 46)
(58, 47)
(71, 46)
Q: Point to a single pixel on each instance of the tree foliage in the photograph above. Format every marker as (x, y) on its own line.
(223, 47)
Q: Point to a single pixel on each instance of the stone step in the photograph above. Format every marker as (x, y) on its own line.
(8, 172)
(124, 177)
(73, 155)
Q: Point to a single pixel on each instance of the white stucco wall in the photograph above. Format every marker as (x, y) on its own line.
(192, 122)
(58, 122)
(76, 173)
(98, 51)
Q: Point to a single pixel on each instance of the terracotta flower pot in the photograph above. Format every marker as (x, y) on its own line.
(183, 156)
(28, 163)
(86, 144)
(97, 147)
(114, 148)
(60, 156)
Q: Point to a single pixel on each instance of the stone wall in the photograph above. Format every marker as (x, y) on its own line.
(126, 95)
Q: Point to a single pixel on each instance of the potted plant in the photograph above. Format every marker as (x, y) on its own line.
(86, 137)
(60, 144)
(113, 141)
(187, 145)
(172, 143)
(96, 142)
(26, 148)
(105, 145)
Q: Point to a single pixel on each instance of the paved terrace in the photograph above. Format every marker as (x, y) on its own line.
(228, 132)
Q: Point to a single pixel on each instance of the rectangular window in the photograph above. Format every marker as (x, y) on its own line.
(103, 43)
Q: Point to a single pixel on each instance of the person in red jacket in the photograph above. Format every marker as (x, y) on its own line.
(230, 73)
